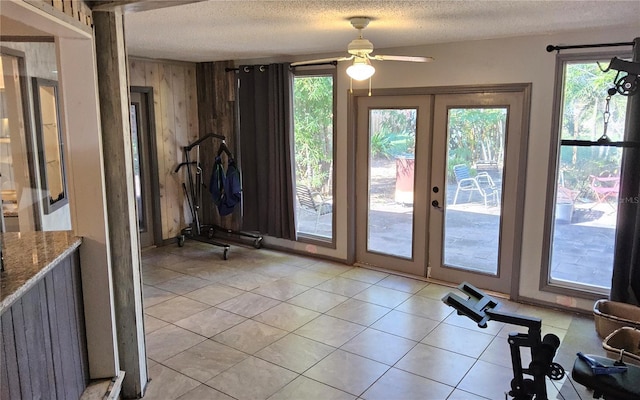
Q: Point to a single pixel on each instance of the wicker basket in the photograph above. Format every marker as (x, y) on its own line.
(627, 339)
(611, 315)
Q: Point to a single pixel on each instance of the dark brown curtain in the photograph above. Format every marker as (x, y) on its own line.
(625, 284)
(265, 114)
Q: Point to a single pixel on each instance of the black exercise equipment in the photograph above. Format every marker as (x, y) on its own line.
(481, 308)
(609, 379)
(193, 193)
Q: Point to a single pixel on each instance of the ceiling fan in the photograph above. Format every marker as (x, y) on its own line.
(360, 50)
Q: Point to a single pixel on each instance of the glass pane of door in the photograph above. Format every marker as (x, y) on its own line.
(476, 198)
(391, 182)
(390, 216)
(474, 166)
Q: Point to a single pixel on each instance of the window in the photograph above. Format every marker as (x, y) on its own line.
(313, 105)
(50, 144)
(585, 202)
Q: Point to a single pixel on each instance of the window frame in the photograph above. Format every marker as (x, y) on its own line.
(307, 237)
(546, 284)
(50, 204)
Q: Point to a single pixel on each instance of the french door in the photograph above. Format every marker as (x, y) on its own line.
(393, 136)
(439, 182)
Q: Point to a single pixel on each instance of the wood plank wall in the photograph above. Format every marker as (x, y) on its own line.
(43, 349)
(176, 122)
(216, 114)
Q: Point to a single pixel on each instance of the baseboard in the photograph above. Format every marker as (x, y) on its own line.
(104, 389)
(116, 387)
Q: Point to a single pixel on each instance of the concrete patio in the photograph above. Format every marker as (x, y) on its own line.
(582, 251)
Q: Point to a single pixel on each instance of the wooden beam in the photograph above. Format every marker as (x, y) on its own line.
(129, 6)
(113, 87)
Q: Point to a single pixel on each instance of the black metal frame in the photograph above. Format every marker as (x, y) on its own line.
(551, 47)
(194, 194)
(481, 308)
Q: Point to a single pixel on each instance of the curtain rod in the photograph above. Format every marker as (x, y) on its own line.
(587, 143)
(334, 63)
(551, 47)
(247, 68)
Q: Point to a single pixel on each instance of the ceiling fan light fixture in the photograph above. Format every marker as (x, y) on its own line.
(361, 69)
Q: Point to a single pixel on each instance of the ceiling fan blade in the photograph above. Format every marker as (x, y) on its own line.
(321, 61)
(402, 58)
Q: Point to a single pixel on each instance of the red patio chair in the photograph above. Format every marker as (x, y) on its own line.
(604, 187)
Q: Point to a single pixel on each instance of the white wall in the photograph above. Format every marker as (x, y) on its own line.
(498, 61)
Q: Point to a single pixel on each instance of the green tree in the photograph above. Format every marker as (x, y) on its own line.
(585, 92)
(476, 134)
(313, 127)
(584, 102)
(393, 132)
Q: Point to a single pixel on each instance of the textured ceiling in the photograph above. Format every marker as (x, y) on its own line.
(234, 30)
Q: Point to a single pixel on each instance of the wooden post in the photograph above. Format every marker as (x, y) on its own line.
(113, 85)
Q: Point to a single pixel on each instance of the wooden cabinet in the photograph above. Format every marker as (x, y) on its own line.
(43, 349)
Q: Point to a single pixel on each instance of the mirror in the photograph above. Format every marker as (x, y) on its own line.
(50, 144)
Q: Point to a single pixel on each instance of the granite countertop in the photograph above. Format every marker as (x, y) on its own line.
(28, 256)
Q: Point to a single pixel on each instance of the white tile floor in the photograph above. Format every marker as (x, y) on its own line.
(270, 325)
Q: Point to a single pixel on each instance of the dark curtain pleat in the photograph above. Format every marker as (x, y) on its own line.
(265, 136)
(248, 149)
(625, 283)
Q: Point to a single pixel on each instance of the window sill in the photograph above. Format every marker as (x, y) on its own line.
(574, 290)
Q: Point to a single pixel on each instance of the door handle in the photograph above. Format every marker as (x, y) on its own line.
(435, 204)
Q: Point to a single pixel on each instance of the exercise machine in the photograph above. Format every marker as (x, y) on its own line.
(193, 193)
(481, 308)
(609, 379)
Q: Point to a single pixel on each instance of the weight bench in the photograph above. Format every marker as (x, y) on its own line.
(609, 379)
(606, 377)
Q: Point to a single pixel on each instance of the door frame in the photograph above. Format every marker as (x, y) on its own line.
(31, 149)
(512, 198)
(416, 264)
(520, 177)
(147, 92)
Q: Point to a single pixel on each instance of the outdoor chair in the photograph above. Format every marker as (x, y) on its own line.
(604, 187)
(482, 184)
(313, 202)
